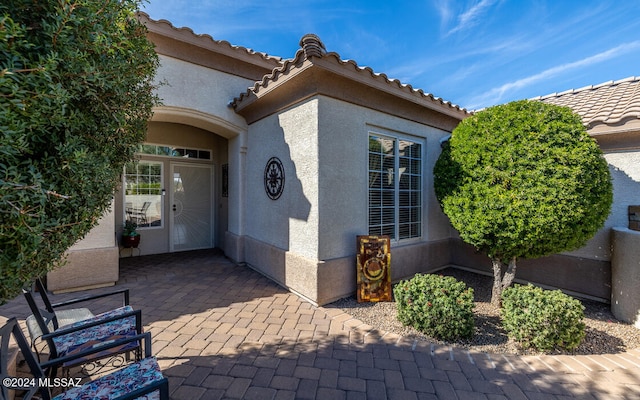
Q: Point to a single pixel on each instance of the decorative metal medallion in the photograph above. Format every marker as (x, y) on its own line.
(373, 269)
(274, 178)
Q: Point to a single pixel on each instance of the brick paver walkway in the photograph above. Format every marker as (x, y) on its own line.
(224, 331)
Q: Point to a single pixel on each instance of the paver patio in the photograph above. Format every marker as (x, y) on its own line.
(223, 331)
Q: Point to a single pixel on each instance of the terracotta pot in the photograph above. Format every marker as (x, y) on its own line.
(130, 241)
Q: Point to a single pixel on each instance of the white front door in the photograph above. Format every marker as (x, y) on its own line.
(191, 207)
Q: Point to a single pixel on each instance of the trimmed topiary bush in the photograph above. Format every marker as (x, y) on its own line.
(542, 319)
(439, 306)
(523, 180)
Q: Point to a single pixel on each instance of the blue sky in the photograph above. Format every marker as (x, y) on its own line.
(474, 53)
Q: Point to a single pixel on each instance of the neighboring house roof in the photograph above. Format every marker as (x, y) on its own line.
(313, 55)
(610, 106)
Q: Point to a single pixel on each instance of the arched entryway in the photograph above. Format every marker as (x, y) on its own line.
(177, 191)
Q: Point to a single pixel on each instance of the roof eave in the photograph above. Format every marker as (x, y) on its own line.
(313, 78)
(186, 35)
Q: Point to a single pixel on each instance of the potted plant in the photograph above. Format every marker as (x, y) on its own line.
(130, 237)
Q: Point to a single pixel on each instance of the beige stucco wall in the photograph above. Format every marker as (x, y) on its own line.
(343, 193)
(200, 89)
(625, 172)
(199, 96)
(101, 236)
(290, 222)
(92, 261)
(188, 136)
(306, 239)
(323, 144)
(625, 275)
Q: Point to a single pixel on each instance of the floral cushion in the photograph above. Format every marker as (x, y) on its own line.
(113, 313)
(96, 335)
(121, 382)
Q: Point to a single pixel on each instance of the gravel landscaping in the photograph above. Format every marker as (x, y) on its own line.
(604, 334)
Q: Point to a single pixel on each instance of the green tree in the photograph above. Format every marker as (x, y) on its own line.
(523, 180)
(76, 92)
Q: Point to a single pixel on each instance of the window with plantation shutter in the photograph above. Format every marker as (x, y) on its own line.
(395, 187)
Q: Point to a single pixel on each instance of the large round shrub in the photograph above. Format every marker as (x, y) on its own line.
(542, 319)
(523, 179)
(439, 306)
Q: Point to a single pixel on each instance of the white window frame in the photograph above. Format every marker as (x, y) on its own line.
(162, 194)
(417, 205)
(169, 151)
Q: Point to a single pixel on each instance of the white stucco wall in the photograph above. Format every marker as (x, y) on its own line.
(206, 92)
(290, 222)
(343, 192)
(199, 96)
(625, 172)
(198, 88)
(323, 145)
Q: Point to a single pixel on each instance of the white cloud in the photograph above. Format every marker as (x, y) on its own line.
(443, 7)
(496, 95)
(410, 69)
(471, 16)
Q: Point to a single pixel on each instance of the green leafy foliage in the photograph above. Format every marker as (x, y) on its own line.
(76, 92)
(542, 319)
(523, 180)
(439, 306)
(130, 228)
(153, 188)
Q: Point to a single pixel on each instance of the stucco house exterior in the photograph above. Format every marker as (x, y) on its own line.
(611, 113)
(281, 163)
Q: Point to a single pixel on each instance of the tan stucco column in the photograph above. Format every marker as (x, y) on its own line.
(234, 237)
(625, 275)
(92, 262)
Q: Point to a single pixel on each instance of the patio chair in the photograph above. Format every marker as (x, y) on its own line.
(140, 215)
(79, 333)
(141, 380)
(53, 316)
(88, 337)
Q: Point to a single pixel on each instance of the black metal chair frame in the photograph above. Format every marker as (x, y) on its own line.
(48, 336)
(51, 307)
(90, 355)
(11, 328)
(139, 215)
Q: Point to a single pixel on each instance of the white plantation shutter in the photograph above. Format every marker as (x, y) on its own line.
(395, 187)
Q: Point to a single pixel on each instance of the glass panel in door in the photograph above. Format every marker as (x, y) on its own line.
(143, 193)
(191, 207)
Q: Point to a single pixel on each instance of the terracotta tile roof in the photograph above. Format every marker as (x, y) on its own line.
(204, 40)
(610, 103)
(313, 48)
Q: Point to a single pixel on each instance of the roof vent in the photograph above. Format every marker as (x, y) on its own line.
(312, 46)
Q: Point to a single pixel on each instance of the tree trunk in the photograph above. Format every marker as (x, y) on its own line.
(500, 281)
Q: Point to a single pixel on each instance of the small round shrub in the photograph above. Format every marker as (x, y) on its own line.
(439, 306)
(542, 319)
